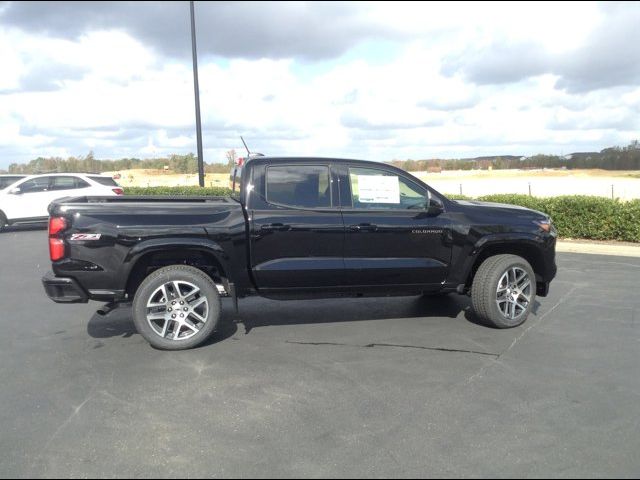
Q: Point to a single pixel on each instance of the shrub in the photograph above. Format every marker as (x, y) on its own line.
(187, 190)
(579, 216)
(533, 203)
(457, 196)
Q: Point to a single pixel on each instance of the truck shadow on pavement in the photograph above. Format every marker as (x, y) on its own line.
(258, 312)
(119, 323)
(255, 312)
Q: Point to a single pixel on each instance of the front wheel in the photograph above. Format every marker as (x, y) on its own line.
(503, 291)
(176, 307)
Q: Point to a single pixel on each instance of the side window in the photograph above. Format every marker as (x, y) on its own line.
(382, 190)
(305, 186)
(35, 185)
(67, 183)
(63, 183)
(106, 181)
(80, 183)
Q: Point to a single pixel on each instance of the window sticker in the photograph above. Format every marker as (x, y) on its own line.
(378, 189)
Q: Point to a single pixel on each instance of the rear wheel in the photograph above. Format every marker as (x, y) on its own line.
(3, 221)
(176, 307)
(503, 291)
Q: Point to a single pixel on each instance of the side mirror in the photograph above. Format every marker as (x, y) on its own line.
(15, 191)
(434, 207)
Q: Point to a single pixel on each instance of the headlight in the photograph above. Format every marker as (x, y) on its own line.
(546, 225)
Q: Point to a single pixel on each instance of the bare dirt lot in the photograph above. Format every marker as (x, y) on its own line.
(540, 183)
(474, 183)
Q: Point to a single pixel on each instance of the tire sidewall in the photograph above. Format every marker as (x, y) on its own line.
(494, 312)
(168, 274)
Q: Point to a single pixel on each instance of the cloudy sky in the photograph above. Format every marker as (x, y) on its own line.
(363, 80)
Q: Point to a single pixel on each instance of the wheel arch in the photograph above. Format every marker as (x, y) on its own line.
(148, 256)
(527, 248)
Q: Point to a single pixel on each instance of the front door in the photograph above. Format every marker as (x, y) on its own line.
(390, 238)
(29, 199)
(297, 234)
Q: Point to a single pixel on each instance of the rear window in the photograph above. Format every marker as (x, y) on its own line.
(305, 186)
(107, 181)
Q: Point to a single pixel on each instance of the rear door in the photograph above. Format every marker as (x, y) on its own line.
(297, 234)
(390, 239)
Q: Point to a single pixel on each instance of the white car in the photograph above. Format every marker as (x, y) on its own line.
(26, 200)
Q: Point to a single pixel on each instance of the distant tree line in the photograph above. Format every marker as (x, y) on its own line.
(175, 163)
(613, 158)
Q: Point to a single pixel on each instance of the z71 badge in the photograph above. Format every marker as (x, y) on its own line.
(85, 236)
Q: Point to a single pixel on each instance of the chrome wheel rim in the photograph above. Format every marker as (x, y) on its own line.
(513, 293)
(177, 310)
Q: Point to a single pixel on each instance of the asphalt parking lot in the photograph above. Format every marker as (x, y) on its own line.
(390, 387)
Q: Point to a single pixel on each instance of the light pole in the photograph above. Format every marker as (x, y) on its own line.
(196, 89)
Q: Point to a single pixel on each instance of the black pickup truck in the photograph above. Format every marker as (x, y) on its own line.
(296, 228)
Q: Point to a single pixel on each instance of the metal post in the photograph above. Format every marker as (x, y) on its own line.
(612, 192)
(529, 188)
(460, 189)
(196, 89)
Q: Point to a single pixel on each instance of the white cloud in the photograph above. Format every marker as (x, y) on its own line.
(117, 95)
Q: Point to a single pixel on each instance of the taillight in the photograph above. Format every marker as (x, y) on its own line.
(57, 225)
(56, 245)
(56, 249)
(118, 191)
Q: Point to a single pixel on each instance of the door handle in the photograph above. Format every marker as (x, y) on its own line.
(275, 227)
(367, 227)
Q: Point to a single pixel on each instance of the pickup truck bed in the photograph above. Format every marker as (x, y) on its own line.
(133, 227)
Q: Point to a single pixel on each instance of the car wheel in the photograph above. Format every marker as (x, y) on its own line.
(176, 307)
(3, 221)
(503, 291)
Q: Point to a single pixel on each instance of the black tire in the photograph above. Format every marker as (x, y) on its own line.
(508, 307)
(3, 221)
(160, 286)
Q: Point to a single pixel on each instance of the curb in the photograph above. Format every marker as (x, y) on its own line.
(568, 246)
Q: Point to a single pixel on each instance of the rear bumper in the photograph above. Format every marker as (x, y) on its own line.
(63, 289)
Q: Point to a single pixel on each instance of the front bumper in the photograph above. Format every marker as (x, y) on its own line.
(63, 289)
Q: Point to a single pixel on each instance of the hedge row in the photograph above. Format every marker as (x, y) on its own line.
(595, 218)
(186, 190)
(579, 216)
